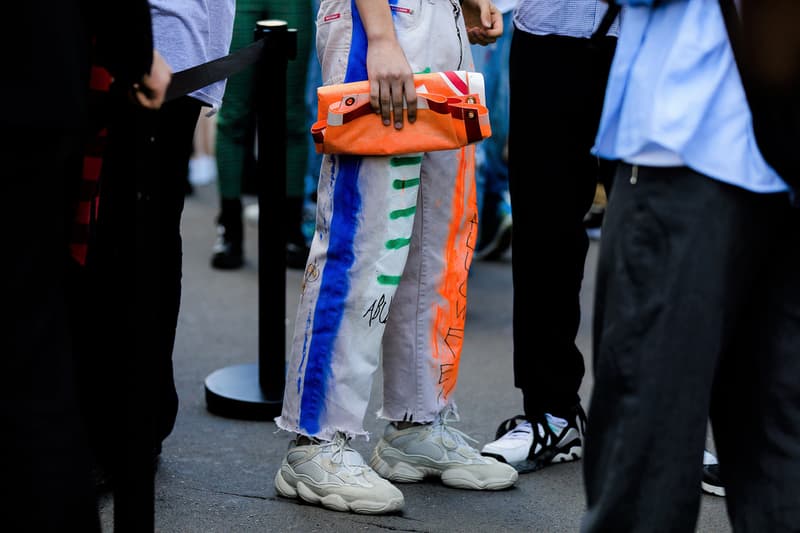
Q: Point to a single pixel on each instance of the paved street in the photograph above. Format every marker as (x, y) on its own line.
(216, 474)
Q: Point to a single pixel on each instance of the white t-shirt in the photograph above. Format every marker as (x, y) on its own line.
(188, 33)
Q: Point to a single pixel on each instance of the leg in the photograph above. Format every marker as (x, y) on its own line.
(46, 449)
(548, 367)
(299, 16)
(235, 143)
(756, 395)
(652, 386)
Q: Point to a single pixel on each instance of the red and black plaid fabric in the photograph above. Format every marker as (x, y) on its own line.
(86, 209)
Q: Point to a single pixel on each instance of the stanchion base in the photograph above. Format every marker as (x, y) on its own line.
(234, 392)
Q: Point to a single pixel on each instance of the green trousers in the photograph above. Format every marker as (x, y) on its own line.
(235, 121)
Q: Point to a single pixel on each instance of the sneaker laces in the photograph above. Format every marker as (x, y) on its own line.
(339, 448)
(521, 431)
(451, 437)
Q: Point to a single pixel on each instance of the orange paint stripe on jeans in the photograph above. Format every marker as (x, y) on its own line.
(449, 317)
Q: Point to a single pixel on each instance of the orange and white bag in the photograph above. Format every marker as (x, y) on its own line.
(450, 114)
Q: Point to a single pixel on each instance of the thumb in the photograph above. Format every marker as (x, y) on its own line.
(486, 19)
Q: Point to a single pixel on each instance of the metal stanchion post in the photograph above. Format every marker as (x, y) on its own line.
(255, 391)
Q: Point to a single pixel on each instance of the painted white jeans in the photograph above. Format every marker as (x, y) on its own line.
(386, 278)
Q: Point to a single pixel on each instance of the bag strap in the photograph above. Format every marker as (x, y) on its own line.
(607, 21)
(732, 25)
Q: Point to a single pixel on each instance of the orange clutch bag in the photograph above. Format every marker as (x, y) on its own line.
(450, 115)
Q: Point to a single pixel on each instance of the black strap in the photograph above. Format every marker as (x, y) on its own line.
(195, 78)
(732, 22)
(733, 25)
(608, 20)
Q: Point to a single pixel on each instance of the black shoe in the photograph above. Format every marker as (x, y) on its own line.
(532, 445)
(228, 250)
(711, 483)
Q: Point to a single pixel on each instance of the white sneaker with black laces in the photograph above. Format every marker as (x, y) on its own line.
(531, 445)
(334, 475)
(438, 450)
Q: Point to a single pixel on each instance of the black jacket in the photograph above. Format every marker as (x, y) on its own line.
(46, 67)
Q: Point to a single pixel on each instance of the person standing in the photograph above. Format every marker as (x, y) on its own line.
(236, 130)
(697, 310)
(46, 458)
(386, 277)
(559, 62)
(134, 268)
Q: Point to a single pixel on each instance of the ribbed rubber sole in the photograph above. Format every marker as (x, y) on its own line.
(460, 477)
(333, 501)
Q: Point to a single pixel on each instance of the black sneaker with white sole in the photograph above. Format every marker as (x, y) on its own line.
(530, 445)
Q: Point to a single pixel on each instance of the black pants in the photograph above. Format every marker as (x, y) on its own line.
(133, 287)
(44, 451)
(697, 314)
(557, 86)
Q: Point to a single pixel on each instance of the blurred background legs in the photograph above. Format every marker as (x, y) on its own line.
(236, 135)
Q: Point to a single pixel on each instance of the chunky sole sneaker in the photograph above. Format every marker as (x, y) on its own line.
(437, 450)
(532, 445)
(711, 482)
(335, 476)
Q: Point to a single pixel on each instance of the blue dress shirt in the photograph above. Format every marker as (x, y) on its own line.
(674, 97)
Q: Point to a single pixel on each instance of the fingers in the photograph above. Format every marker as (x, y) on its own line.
(387, 98)
(397, 103)
(151, 90)
(411, 100)
(386, 102)
(481, 37)
(148, 98)
(375, 95)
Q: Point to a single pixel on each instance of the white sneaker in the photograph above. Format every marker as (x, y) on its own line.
(409, 455)
(531, 445)
(512, 447)
(334, 475)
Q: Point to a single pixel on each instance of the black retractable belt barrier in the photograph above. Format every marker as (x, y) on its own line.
(255, 391)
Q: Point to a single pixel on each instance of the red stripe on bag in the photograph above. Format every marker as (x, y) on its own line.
(457, 82)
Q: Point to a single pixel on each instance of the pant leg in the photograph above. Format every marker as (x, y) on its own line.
(675, 249)
(137, 263)
(557, 87)
(159, 244)
(45, 453)
(366, 209)
(423, 342)
(235, 119)
(425, 333)
(756, 404)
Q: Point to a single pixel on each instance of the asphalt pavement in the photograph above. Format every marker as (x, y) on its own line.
(216, 473)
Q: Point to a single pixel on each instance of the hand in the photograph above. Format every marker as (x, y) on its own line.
(150, 91)
(390, 82)
(483, 20)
